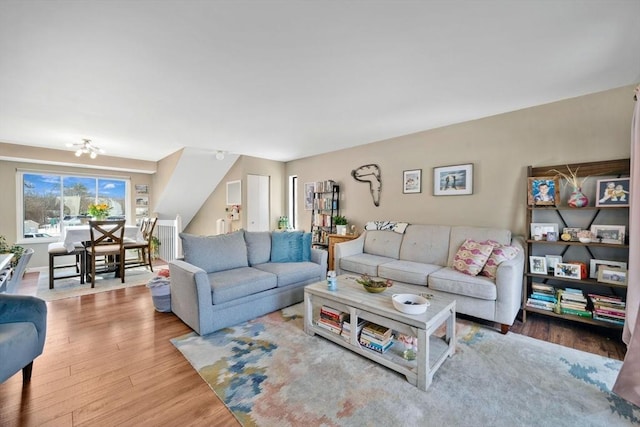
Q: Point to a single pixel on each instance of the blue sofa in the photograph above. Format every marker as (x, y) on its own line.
(227, 279)
(23, 328)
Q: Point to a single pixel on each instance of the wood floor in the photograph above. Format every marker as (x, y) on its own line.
(108, 361)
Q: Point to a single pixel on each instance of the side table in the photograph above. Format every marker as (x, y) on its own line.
(337, 238)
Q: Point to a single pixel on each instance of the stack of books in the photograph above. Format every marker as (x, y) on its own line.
(542, 297)
(572, 301)
(346, 327)
(376, 337)
(608, 308)
(331, 319)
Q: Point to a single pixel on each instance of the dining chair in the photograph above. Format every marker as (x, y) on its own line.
(143, 247)
(58, 249)
(11, 285)
(107, 240)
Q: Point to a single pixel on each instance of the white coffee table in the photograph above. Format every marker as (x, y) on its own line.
(350, 297)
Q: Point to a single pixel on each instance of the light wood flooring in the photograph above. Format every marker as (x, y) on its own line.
(108, 361)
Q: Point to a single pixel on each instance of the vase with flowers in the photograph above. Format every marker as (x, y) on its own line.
(99, 211)
(577, 199)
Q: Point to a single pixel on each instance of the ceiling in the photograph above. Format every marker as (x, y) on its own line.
(289, 79)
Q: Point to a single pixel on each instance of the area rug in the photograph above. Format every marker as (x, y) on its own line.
(268, 372)
(71, 287)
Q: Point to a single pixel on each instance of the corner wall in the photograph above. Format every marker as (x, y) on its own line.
(588, 128)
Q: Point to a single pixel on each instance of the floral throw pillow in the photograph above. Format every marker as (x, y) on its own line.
(472, 256)
(500, 254)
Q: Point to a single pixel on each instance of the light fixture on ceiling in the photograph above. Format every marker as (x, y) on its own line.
(219, 155)
(86, 147)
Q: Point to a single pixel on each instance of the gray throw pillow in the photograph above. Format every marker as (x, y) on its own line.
(215, 253)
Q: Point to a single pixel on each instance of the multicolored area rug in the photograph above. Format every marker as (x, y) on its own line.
(268, 372)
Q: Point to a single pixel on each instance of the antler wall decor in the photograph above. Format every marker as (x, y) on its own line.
(371, 174)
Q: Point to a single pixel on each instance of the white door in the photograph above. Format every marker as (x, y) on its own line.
(257, 203)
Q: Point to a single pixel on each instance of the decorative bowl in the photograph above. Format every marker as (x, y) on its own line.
(410, 303)
(374, 289)
(372, 285)
(584, 239)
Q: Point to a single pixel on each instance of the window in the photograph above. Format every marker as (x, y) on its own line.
(48, 201)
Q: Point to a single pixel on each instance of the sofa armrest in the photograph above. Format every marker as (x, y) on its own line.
(509, 278)
(319, 256)
(348, 248)
(24, 308)
(190, 294)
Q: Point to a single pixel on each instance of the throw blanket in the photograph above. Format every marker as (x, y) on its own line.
(398, 227)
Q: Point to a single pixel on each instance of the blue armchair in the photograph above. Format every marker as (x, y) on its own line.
(23, 328)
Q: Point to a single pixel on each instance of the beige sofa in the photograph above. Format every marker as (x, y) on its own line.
(423, 256)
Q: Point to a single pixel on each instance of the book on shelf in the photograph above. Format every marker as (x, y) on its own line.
(574, 312)
(329, 326)
(332, 314)
(376, 331)
(376, 347)
(543, 297)
(543, 288)
(372, 340)
(346, 327)
(543, 305)
(608, 319)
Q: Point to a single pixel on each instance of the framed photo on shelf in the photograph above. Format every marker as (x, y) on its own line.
(543, 191)
(573, 232)
(613, 192)
(453, 180)
(142, 189)
(552, 260)
(597, 264)
(569, 271)
(412, 181)
(542, 228)
(537, 265)
(552, 236)
(142, 211)
(614, 276)
(309, 190)
(612, 234)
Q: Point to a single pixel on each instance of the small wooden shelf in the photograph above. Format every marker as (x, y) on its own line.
(570, 243)
(573, 318)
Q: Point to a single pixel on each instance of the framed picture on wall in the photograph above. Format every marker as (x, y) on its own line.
(412, 181)
(142, 189)
(453, 180)
(309, 189)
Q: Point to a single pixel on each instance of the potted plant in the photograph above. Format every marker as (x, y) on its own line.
(341, 224)
(6, 248)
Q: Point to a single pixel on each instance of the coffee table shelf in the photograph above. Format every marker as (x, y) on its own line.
(351, 298)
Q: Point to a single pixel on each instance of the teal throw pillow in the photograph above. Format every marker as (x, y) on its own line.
(286, 246)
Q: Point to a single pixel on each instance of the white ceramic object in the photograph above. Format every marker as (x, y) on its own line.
(584, 239)
(410, 303)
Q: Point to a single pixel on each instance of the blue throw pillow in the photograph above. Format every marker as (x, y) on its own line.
(286, 246)
(306, 247)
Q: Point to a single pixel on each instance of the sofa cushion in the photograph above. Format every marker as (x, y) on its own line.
(427, 244)
(289, 273)
(293, 246)
(499, 254)
(415, 273)
(258, 246)
(450, 280)
(472, 256)
(232, 284)
(363, 263)
(383, 243)
(215, 253)
(461, 233)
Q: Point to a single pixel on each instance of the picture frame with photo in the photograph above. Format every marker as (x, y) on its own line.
(142, 189)
(568, 271)
(309, 191)
(613, 276)
(613, 192)
(543, 191)
(142, 201)
(412, 181)
(454, 180)
(552, 260)
(552, 236)
(573, 232)
(596, 264)
(538, 265)
(542, 228)
(611, 234)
